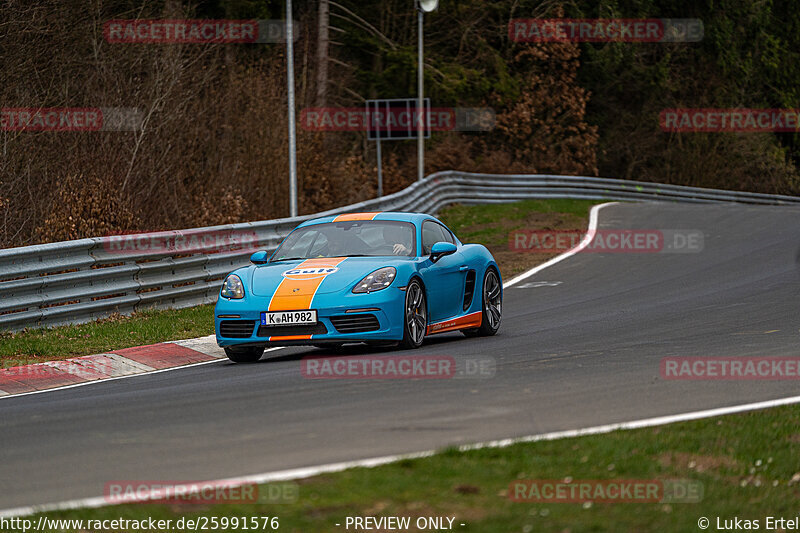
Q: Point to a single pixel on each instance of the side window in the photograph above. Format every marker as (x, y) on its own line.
(448, 237)
(431, 234)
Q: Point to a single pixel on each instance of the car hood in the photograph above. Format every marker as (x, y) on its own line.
(323, 277)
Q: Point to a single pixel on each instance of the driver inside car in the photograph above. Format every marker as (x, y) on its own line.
(399, 238)
(338, 244)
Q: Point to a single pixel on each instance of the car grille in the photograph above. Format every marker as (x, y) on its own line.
(355, 323)
(304, 329)
(236, 329)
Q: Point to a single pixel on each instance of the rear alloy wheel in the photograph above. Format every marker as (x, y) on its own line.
(244, 354)
(415, 316)
(491, 306)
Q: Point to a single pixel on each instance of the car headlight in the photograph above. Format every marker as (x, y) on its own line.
(380, 279)
(232, 288)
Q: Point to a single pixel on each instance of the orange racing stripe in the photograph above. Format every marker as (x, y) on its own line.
(472, 320)
(296, 294)
(356, 216)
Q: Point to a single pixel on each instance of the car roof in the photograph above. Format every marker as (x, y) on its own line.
(415, 218)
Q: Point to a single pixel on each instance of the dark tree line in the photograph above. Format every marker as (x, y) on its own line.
(213, 144)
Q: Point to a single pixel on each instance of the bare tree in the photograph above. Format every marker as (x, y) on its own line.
(322, 53)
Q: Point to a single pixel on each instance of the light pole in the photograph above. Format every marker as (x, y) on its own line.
(292, 132)
(423, 6)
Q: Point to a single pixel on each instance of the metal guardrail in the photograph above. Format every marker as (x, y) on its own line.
(79, 281)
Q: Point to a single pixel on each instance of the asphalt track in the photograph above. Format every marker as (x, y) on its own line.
(583, 352)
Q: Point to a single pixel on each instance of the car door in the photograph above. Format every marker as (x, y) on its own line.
(444, 280)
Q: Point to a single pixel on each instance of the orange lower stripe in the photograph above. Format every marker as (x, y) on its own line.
(290, 338)
(356, 216)
(472, 320)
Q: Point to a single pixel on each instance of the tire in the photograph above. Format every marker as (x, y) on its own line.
(491, 306)
(415, 316)
(244, 354)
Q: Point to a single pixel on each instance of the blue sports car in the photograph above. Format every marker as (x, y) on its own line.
(364, 277)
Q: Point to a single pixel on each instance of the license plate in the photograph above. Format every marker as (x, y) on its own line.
(288, 318)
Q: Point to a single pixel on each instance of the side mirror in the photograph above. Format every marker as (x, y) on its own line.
(259, 258)
(441, 249)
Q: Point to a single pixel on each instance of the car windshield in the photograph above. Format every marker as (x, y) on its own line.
(365, 238)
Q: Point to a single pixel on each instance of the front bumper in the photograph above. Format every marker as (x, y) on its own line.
(386, 306)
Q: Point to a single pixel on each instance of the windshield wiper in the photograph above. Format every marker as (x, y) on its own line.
(288, 259)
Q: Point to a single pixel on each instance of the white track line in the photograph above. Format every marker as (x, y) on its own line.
(106, 380)
(302, 473)
(569, 253)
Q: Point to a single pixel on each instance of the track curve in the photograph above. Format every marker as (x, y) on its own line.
(578, 353)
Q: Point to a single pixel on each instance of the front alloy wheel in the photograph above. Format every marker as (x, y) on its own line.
(416, 316)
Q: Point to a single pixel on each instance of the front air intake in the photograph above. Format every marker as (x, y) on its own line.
(236, 329)
(355, 323)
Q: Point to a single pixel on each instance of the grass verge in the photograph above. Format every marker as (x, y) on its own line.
(491, 225)
(113, 333)
(747, 465)
(488, 224)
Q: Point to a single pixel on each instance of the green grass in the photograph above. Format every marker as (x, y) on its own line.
(744, 462)
(461, 215)
(147, 327)
(490, 224)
